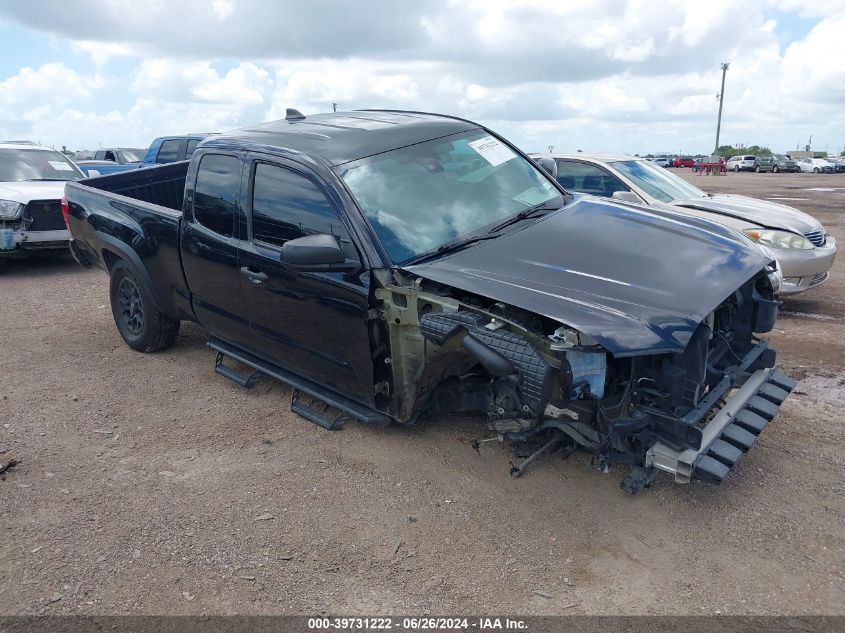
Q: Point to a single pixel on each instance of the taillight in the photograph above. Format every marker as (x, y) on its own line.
(66, 212)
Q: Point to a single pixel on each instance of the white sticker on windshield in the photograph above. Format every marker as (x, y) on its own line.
(492, 150)
(60, 165)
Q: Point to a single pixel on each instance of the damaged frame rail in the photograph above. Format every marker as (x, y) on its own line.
(733, 430)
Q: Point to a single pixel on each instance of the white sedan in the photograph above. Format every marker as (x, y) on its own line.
(801, 244)
(815, 165)
(32, 183)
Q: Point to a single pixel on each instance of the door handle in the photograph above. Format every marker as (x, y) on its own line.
(255, 276)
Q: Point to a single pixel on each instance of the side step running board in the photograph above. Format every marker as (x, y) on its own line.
(353, 409)
(323, 418)
(232, 374)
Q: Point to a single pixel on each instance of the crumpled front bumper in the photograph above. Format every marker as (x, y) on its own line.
(14, 240)
(730, 433)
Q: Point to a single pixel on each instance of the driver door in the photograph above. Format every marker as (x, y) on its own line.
(312, 323)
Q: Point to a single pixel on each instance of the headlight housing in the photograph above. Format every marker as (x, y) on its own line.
(779, 239)
(10, 210)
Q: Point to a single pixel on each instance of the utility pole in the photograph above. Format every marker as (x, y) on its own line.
(721, 99)
(334, 107)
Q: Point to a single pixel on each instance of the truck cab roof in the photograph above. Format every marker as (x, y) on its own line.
(341, 137)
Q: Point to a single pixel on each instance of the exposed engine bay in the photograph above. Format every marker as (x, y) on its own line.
(544, 385)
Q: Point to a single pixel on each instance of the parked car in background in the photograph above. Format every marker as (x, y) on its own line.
(32, 183)
(804, 250)
(775, 163)
(815, 165)
(683, 161)
(742, 163)
(838, 163)
(399, 265)
(171, 149)
(112, 161)
(662, 161)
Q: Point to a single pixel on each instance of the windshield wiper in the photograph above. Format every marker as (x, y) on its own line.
(449, 247)
(523, 215)
(44, 180)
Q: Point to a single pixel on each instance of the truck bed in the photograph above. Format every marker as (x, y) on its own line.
(134, 216)
(162, 186)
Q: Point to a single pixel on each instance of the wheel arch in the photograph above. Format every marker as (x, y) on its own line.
(114, 251)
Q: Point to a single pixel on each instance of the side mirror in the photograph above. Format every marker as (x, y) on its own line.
(627, 196)
(93, 173)
(549, 165)
(316, 253)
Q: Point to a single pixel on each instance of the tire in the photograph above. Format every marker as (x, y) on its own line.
(816, 170)
(757, 169)
(736, 168)
(141, 324)
(775, 169)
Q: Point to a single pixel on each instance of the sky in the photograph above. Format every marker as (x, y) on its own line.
(616, 76)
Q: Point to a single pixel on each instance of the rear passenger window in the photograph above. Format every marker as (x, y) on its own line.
(287, 205)
(192, 145)
(586, 178)
(216, 193)
(169, 151)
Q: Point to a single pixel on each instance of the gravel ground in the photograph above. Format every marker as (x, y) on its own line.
(150, 485)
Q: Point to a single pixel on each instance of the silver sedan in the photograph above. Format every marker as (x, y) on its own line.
(804, 250)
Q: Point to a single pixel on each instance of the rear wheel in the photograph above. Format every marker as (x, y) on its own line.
(815, 170)
(141, 324)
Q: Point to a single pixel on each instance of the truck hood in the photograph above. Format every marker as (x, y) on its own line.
(638, 281)
(760, 212)
(24, 192)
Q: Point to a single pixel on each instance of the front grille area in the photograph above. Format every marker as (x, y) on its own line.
(816, 237)
(44, 215)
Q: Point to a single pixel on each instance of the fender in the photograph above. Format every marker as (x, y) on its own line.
(122, 250)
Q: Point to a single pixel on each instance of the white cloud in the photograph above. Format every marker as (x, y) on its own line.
(37, 94)
(601, 75)
(175, 80)
(100, 52)
(814, 68)
(223, 9)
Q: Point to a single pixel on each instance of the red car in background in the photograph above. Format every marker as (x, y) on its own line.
(683, 161)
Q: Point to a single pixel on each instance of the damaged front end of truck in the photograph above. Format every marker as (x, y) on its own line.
(559, 358)
(543, 384)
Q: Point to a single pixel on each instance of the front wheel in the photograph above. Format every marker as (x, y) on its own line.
(736, 168)
(816, 170)
(775, 169)
(141, 324)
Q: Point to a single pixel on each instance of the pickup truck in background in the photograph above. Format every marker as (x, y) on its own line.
(32, 182)
(393, 266)
(112, 161)
(171, 149)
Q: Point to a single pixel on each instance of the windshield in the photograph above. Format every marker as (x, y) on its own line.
(656, 182)
(17, 165)
(131, 155)
(420, 197)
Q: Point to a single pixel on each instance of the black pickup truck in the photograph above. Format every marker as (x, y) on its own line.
(393, 266)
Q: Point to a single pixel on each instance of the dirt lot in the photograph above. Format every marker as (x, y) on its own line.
(149, 484)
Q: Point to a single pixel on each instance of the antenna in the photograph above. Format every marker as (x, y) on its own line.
(292, 114)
